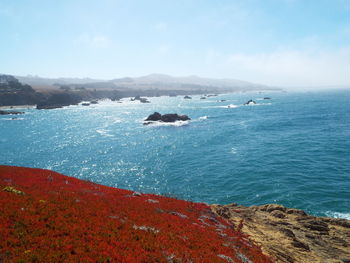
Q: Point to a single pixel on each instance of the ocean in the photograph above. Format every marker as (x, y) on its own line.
(292, 149)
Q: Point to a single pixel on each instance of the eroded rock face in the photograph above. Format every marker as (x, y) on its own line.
(291, 235)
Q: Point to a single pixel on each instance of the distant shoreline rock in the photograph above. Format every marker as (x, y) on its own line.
(172, 117)
(250, 102)
(2, 112)
(139, 98)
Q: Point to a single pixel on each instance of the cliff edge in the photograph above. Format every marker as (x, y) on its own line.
(291, 235)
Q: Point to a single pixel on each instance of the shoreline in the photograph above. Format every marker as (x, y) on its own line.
(15, 107)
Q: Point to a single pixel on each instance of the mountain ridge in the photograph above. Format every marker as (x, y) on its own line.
(155, 80)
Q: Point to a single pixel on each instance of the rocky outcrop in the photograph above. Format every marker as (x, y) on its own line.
(250, 102)
(59, 100)
(291, 235)
(173, 117)
(12, 92)
(142, 100)
(10, 112)
(187, 97)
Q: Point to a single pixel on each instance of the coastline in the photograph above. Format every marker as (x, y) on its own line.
(15, 107)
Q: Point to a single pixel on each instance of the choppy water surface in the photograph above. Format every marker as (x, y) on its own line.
(293, 149)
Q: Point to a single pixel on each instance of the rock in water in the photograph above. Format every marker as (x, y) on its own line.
(250, 102)
(154, 117)
(173, 117)
(10, 112)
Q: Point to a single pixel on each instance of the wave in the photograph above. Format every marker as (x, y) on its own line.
(230, 106)
(257, 104)
(203, 118)
(12, 119)
(338, 215)
(104, 132)
(159, 124)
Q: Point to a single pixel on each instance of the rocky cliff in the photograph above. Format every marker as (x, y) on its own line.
(12, 92)
(291, 235)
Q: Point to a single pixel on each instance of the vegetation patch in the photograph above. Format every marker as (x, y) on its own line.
(63, 219)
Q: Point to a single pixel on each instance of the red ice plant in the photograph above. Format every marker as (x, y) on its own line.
(49, 217)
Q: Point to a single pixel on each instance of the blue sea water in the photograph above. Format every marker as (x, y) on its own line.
(293, 149)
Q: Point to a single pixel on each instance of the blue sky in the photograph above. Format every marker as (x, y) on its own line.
(274, 42)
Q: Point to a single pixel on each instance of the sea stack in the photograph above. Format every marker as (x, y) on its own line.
(172, 117)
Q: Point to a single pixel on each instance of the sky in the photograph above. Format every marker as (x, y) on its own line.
(272, 42)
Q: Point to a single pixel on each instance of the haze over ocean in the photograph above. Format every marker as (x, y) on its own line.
(293, 149)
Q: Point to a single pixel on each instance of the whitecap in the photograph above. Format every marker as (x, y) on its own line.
(12, 119)
(338, 215)
(257, 104)
(203, 118)
(158, 123)
(233, 150)
(230, 106)
(104, 132)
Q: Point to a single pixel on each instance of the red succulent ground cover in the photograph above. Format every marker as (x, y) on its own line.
(49, 217)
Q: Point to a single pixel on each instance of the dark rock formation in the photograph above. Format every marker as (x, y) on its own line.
(250, 102)
(59, 100)
(10, 112)
(166, 118)
(94, 102)
(267, 98)
(187, 97)
(12, 92)
(85, 104)
(291, 235)
(203, 98)
(154, 117)
(142, 100)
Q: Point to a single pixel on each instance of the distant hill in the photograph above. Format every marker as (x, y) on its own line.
(152, 81)
(166, 81)
(162, 81)
(9, 83)
(12, 92)
(38, 81)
